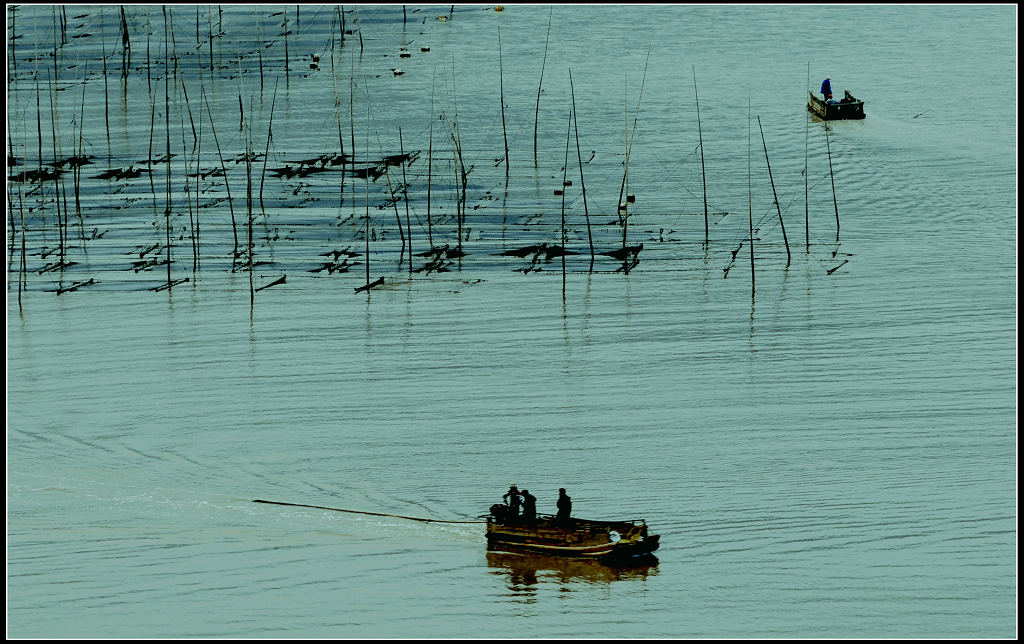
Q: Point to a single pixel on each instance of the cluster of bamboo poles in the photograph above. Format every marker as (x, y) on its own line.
(246, 257)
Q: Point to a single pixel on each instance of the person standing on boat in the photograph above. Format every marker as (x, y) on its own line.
(826, 88)
(529, 507)
(564, 506)
(512, 498)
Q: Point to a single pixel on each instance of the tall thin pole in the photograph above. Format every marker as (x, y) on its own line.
(807, 207)
(702, 176)
(457, 139)
(501, 88)
(405, 192)
(624, 205)
(536, 116)
(286, 65)
(248, 204)
(224, 169)
(750, 207)
(565, 169)
(579, 156)
(828, 148)
(774, 194)
(167, 130)
(430, 166)
(366, 196)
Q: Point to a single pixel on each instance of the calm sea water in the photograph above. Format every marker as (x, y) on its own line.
(833, 455)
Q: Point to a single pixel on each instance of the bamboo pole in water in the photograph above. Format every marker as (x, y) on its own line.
(185, 174)
(579, 156)
(629, 137)
(286, 65)
(457, 137)
(22, 278)
(750, 206)
(359, 27)
(22, 274)
(405, 195)
(536, 115)
(209, 19)
(39, 132)
(250, 248)
(188, 106)
(807, 206)
(149, 156)
(11, 227)
(501, 88)
(394, 203)
(351, 110)
(106, 91)
(79, 159)
(624, 205)
(167, 130)
(126, 47)
(58, 160)
(337, 116)
(774, 194)
(831, 175)
(266, 154)
(149, 70)
(13, 40)
(366, 197)
(197, 258)
(57, 169)
(387, 176)
(227, 184)
(430, 165)
(565, 168)
(39, 126)
(259, 51)
(703, 177)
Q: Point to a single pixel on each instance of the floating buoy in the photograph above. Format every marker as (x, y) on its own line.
(499, 8)
(404, 54)
(630, 198)
(397, 72)
(424, 48)
(442, 18)
(567, 183)
(558, 192)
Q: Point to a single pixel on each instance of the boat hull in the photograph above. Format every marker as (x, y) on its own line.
(849, 108)
(578, 538)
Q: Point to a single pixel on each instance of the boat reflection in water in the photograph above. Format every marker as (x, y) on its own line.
(527, 570)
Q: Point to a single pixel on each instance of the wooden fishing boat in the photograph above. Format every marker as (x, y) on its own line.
(848, 107)
(580, 538)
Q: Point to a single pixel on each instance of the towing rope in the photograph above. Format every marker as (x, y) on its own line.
(376, 514)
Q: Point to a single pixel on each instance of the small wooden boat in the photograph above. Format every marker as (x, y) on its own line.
(848, 107)
(581, 538)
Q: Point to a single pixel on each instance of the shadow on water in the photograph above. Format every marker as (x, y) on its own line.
(525, 572)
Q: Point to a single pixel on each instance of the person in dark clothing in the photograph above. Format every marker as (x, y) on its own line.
(529, 507)
(512, 498)
(564, 506)
(826, 88)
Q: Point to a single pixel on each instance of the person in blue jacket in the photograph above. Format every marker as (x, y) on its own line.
(826, 88)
